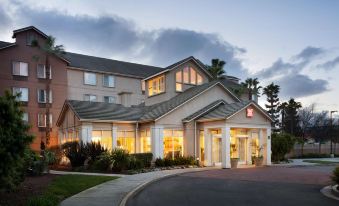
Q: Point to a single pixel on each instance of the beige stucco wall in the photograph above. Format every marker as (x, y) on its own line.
(170, 84)
(77, 88)
(257, 119)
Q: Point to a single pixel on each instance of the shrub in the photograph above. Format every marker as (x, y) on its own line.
(159, 162)
(94, 149)
(184, 160)
(104, 162)
(335, 176)
(135, 164)
(14, 139)
(146, 158)
(120, 159)
(76, 153)
(168, 162)
(34, 164)
(281, 143)
(50, 157)
(58, 154)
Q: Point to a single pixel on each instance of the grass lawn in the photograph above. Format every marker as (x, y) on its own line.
(323, 162)
(65, 186)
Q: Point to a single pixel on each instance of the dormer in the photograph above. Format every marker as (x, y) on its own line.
(25, 36)
(174, 80)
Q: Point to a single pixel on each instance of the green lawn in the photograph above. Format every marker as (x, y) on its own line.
(66, 186)
(323, 162)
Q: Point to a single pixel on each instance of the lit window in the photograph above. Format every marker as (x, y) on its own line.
(109, 99)
(108, 80)
(20, 68)
(24, 93)
(90, 97)
(193, 76)
(42, 120)
(42, 95)
(178, 76)
(103, 137)
(126, 141)
(90, 78)
(173, 143)
(145, 141)
(178, 87)
(199, 79)
(42, 72)
(186, 75)
(156, 85)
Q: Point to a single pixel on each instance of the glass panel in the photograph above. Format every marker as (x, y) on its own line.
(106, 139)
(216, 149)
(242, 149)
(145, 141)
(143, 85)
(109, 99)
(24, 93)
(41, 71)
(178, 87)
(255, 144)
(108, 81)
(126, 141)
(96, 136)
(41, 120)
(202, 145)
(199, 79)
(16, 68)
(156, 85)
(173, 143)
(178, 76)
(186, 75)
(41, 96)
(90, 78)
(25, 116)
(193, 76)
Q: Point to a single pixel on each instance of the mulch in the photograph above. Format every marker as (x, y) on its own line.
(32, 186)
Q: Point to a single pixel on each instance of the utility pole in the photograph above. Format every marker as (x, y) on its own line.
(331, 125)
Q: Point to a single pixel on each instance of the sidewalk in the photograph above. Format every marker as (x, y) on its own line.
(113, 192)
(300, 162)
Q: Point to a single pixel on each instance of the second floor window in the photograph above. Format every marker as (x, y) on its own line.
(25, 117)
(42, 120)
(178, 81)
(90, 97)
(108, 80)
(90, 78)
(20, 69)
(156, 85)
(42, 96)
(24, 93)
(42, 73)
(109, 99)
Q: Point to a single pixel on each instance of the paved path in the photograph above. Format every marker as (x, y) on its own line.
(300, 162)
(112, 192)
(56, 172)
(264, 186)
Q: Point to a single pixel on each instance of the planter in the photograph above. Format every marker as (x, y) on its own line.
(234, 162)
(258, 161)
(335, 190)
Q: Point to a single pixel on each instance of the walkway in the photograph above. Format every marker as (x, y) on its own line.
(300, 162)
(113, 192)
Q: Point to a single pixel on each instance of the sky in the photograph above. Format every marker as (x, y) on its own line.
(291, 43)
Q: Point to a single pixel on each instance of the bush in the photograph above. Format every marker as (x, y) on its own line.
(34, 164)
(50, 157)
(159, 162)
(168, 162)
(58, 154)
(120, 159)
(282, 143)
(146, 158)
(76, 153)
(135, 164)
(94, 149)
(335, 176)
(14, 139)
(104, 162)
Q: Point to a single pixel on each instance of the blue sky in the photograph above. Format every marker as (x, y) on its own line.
(293, 43)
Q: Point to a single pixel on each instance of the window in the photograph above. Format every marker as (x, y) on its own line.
(90, 97)
(90, 78)
(193, 76)
(156, 85)
(42, 120)
(186, 75)
(178, 87)
(173, 143)
(178, 80)
(126, 141)
(109, 99)
(42, 95)
(108, 81)
(24, 93)
(199, 79)
(145, 141)
(20, 68)
(30, 38)
(103, 137)
(25, 117)
(42, 72)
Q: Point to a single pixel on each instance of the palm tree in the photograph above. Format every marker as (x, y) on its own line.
(49, 49)
(252, 86)
(217, 68)
(271, 91)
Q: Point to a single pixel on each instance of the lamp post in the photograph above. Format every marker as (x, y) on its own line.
(331, 112)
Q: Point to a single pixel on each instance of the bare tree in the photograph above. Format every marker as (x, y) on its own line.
(306, 116)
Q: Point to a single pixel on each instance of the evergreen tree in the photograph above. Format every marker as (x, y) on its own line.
(290, 118)
(271, 91)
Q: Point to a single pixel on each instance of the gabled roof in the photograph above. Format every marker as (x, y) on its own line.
(29, 28)
(175, 65)
(98, 64)
(204, 110)
(5, 44)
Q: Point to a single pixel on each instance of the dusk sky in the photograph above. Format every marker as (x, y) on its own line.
(293, 43)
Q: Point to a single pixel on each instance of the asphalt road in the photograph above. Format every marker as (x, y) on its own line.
(257, 186)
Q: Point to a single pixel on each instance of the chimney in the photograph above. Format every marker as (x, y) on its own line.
(125, 98)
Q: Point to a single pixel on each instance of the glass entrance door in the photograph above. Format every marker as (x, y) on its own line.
(216, 148)
(242, 149)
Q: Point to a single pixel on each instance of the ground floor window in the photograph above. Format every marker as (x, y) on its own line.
(173, 143)
(255, 144)
(126, 141)
(145, 141)
(104, 137)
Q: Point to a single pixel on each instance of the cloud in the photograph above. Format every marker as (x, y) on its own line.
(329, 64)
(309, 53)
(300, 85)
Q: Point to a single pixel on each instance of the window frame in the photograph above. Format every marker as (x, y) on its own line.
(114, 99)
(45, 72)
(20, 72)
(88, 83)
(103, 80)
(45, 96)
(45, 119)
(157, 85)
(89, 99)
(20, 90)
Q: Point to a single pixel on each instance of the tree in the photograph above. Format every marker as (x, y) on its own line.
(306, 116)
(217, 68)
(290, 118)
(320, 128)
(49, 49)
(252, 87)
(282, 143)
(271, 91)
(14, 140)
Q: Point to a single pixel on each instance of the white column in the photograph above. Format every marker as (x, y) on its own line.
(85, 133)
(261, 141)
(208, 148)
(114, 136)
(249, 147)
(226, 149)
(157, 133)
(268, 147)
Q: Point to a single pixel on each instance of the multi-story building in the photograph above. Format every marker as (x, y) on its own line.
(170, 111)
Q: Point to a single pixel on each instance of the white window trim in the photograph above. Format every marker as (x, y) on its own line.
(45, 95)
(90, 83)
(50, 120)
(44, 77)
(103, 80)
(20, 74)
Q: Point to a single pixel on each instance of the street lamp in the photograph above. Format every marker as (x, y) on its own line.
(331, 112)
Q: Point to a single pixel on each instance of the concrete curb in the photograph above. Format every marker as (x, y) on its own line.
(137, 189)
(327, 191)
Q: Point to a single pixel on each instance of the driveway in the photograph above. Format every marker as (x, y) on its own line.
(269, 186)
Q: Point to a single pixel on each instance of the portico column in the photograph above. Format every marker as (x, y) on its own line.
(208, 148)
(268, 147)
(114, 136)
(157, 133)
(226, 149)
(86, 132)
(249, 147)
